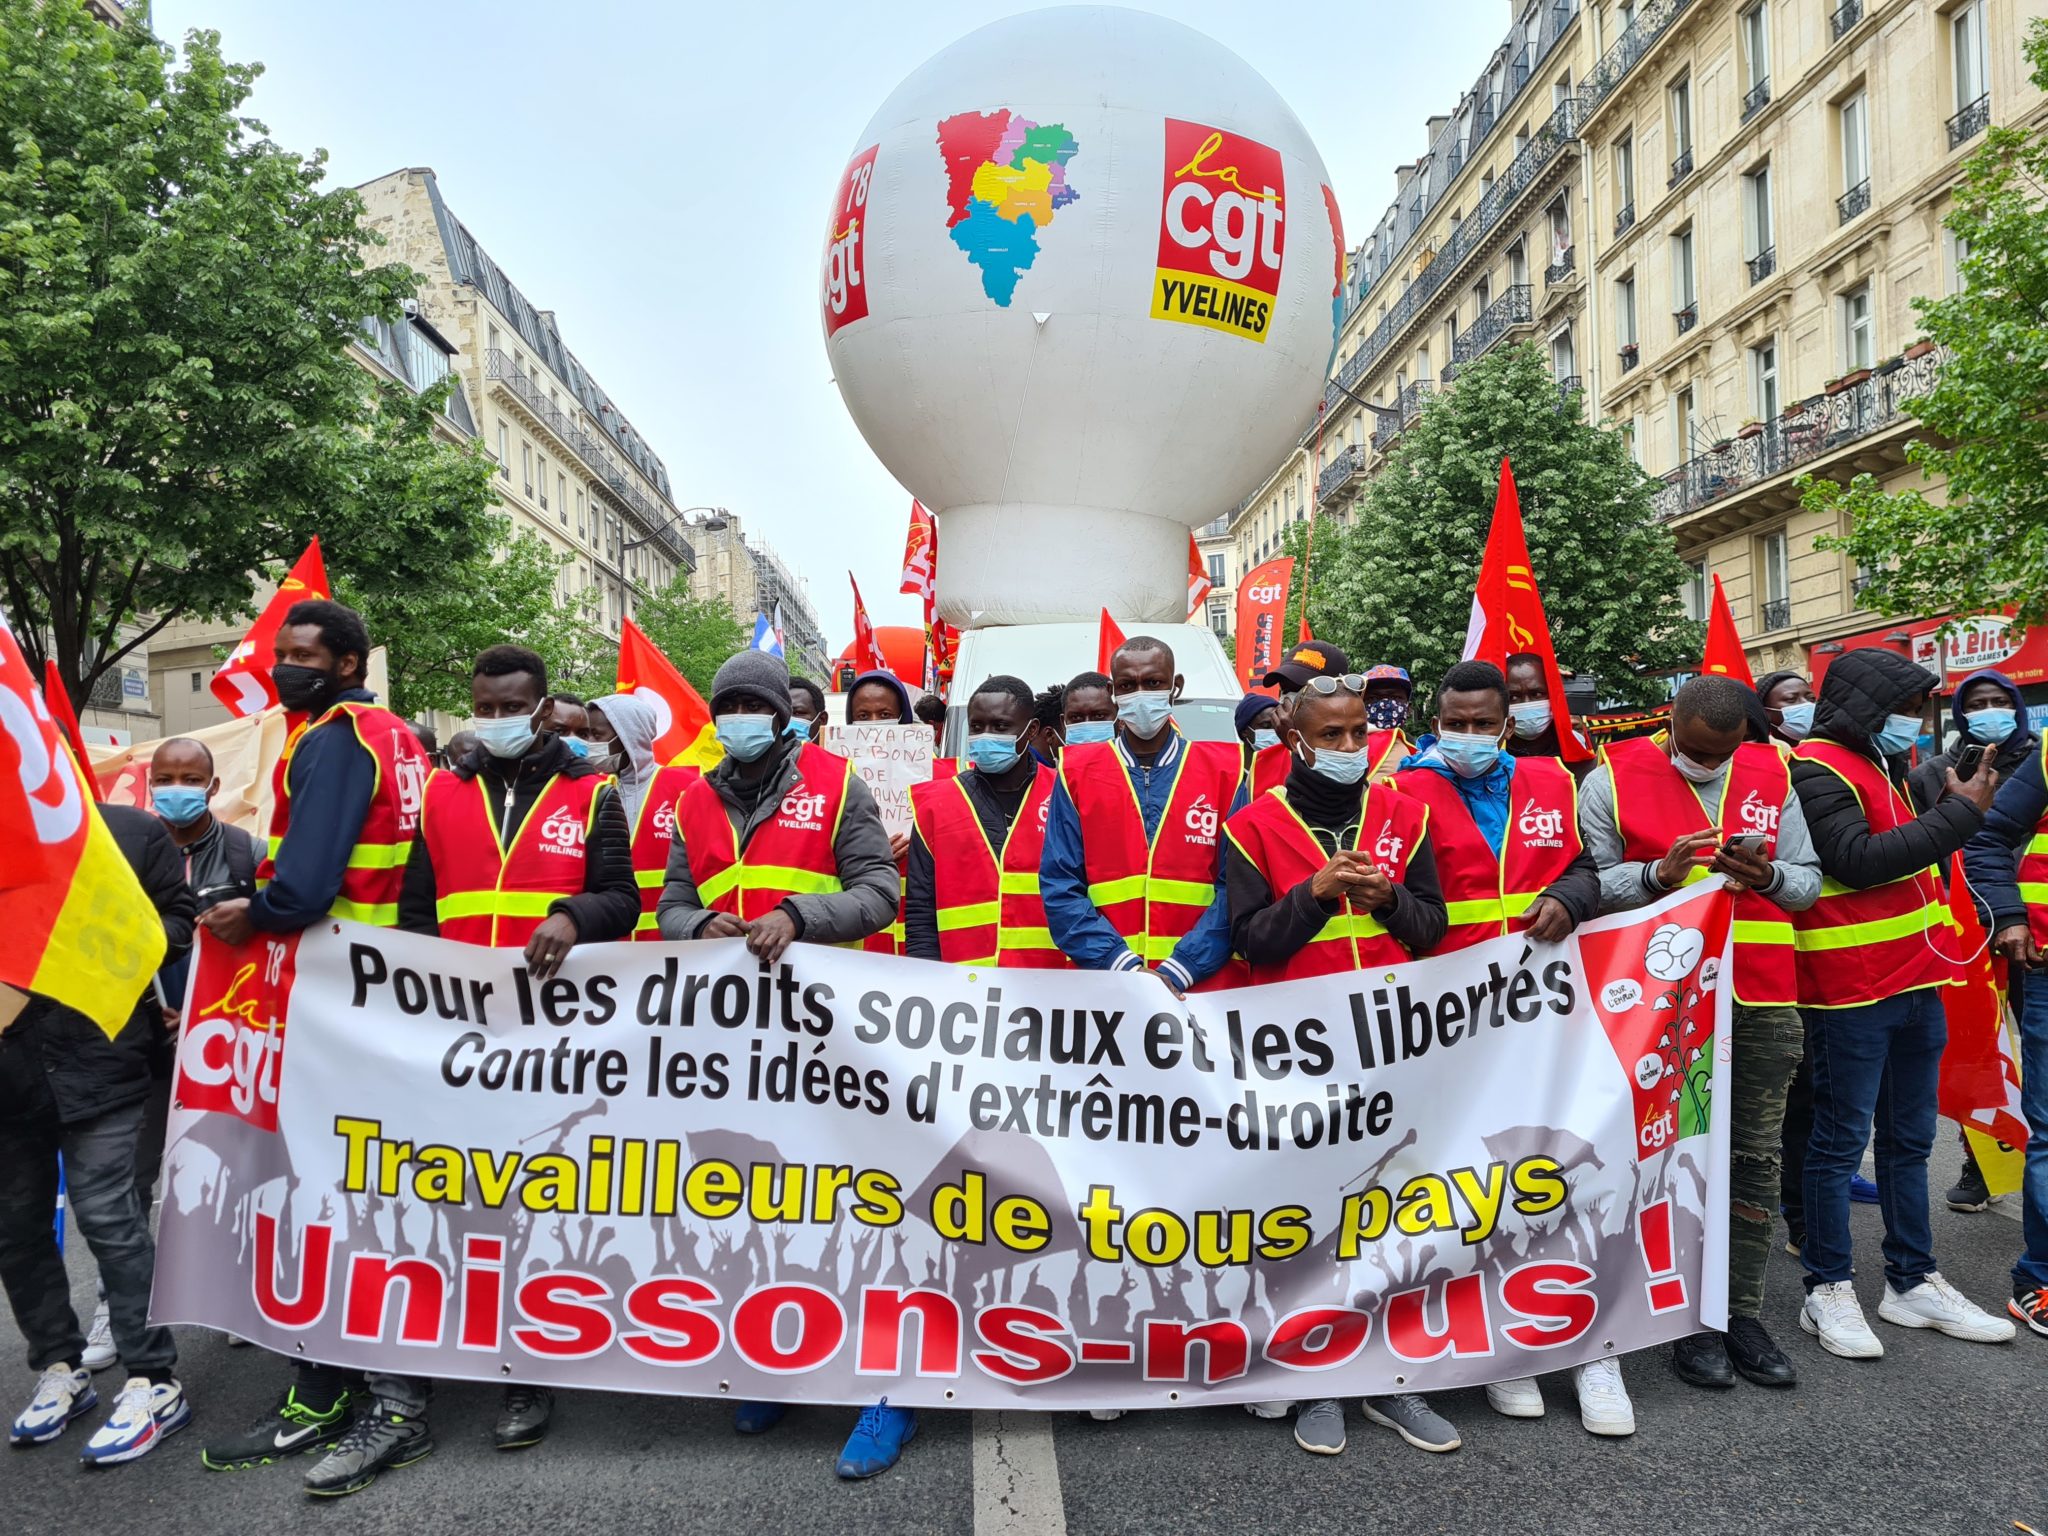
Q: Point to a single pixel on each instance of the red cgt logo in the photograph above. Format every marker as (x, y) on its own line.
(233, 1045)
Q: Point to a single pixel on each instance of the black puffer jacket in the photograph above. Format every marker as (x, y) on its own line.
(1861, 688)
(52, 1052)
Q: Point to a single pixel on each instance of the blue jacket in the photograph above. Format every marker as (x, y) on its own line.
(1991, 857)
(1486, 797)
(1083, 933)
(331, 779)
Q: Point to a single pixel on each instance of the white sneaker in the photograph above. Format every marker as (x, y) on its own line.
(1517, 1399)
(1269, 1410)
(1604, 1407)
(144, 1415)
(1107, 1415)
(1936, 1304)
(99, 1342)
(1832, 1315)
(62, 1394)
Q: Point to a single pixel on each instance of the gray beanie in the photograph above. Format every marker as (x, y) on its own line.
(753, 675)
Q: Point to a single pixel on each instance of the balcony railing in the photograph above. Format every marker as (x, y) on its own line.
(1969, 122)
(1798, 436)
(1776, 613)
(1854, 201)
(1562, 268)
(1511, 309)
(1756, 98)
(1651, 23)
(1625, 220)
(1631, 354)
(1544, 146)
(1763, 264)
(1402, 414)
(658, 520)
(1340, 471)
(1681, 167)
(1686, 318)
(1845, 16)
(1571, 384)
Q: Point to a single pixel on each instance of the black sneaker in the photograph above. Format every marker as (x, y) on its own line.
(377, 1441)
(292, 1428)
(1752, 1353)
(523, 1420)
(1968, 1193)
(1702, 1360)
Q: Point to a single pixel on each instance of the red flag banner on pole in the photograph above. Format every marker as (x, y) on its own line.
(1725, 656)
(1507, 611)
(243, 681)
(1261, 610)
(1199, 584)
(866, 654)
(684, 734)
(65, 716)
(1978, 1088)
(1108, 638)
(921, 554)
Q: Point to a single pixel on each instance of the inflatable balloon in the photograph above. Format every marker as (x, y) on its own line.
(1081, 287)
(902, 648)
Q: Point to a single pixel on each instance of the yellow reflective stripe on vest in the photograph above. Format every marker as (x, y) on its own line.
(1763, 931)
(1830, 886)
(767, 877)
(1104, 893)
(495, 904)
(1853, 935)
(1157, 947)
(1355, 925)
(977, 914)
(1018, 884)
(378, 914)
(2038, 843)
(1027, 938)
(275, 844)
(1177, 893)
(649, 923)
(649, 879)
(379, 855)
(1487, 909)
(2034, 895)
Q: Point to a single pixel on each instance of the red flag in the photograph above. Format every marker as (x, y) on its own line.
(684, 732)
(64, 715)
(1507, 611)
(867, 656)
(921, 553)
(1199, 584)
(1108, 638)
(1977, 1088)
(1306, 633)
(1261, 610)
(243, 681)
(1725, 656)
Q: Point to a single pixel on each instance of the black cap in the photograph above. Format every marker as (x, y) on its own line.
(1311, 658)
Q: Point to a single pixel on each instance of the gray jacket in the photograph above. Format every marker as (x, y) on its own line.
(1624, 883)
(872, 887)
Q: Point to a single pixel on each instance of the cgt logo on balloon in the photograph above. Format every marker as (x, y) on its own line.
(1221, 231)
(846, 294)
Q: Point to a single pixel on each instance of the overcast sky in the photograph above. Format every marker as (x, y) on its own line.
(657, 174)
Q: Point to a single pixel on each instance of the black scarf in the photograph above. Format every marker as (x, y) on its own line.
(1331, 810)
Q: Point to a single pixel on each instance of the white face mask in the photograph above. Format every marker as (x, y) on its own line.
(1697, 773)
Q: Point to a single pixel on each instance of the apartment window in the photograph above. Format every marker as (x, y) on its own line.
(580, 526)
(526, 465)
(1678, 118)
(1763, 380)
(1518, 264)
(1560, 232)
(1681, 424)
(1635, 431)
(1859, 331)
(562, 499)
(491, 338)
(1958, 250)
(1422, 373)
(1451, 334)
(1966, 43)
(1693, 594)
(1216, 571)
(1625, 317)
(1777, 587)
(504, 452)
(543, 492)
(1756, 58)
(197, 684)
(1759, 237)
(1624, 182)
(1684, 293)
(1853, 121)
(1563, 365)
(1482, 296)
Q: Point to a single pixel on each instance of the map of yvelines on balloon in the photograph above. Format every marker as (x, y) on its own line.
(1005, 179)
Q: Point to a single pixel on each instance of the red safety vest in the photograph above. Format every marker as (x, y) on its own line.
(1857, 947)
(654, 833)
(376, 864)
(2033, 871)
(987, 903)
(1654, 806)
(494, 894)
(790, 855)
(1270, 764)
(1271, 834)
(1153, 893)
(1490, 894)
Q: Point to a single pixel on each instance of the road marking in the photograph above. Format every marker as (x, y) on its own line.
(1016, 1476)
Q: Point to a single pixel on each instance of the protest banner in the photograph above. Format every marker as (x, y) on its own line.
(889, 758)
(669, 1170)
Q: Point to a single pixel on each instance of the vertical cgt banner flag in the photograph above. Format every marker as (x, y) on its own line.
(243, 681)
(1261, 606)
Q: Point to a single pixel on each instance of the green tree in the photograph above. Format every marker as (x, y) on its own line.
(178, 409)
(1984, 544)
(697, 634)
(1396, 585)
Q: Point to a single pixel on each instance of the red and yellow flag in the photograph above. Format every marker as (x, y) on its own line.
(686, 735)
(79, 928)
(243, 681)
(1724, 656)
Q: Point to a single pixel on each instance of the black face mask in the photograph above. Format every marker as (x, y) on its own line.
(302, 690)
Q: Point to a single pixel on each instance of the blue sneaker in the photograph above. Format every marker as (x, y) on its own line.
(877, 1440)
(63, 1392)
(145, 1414)
(757, 1418)
(1861, 1190)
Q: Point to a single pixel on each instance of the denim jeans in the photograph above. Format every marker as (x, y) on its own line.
(2032, 1269)
(1874, 1068)
(99, 1178)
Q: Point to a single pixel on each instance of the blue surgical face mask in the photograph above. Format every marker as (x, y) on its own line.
(1145, 712)
(1083, 733)
(506, 737)
(1470, 757)
(1899, 733)
(992, 754)
(746, 737)
(1795, 720)
(1262, 739)
(1341, 767)
(577, 746)
(1992, 725)
(799, 730)
(1531, 719)
(177, 805)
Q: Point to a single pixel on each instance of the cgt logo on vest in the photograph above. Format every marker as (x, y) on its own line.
(562, 833)
(229, 1058)
(1386, 853)
(665, 821)
(802, 811)
(1758, 815)
(1201, 822)
(1540, 827)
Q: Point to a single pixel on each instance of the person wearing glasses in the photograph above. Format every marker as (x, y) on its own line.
(1328, 874)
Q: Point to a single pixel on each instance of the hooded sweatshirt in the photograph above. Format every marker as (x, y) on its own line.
(1862, 687)
(636, 724)
(889, 680)
(1927, 781)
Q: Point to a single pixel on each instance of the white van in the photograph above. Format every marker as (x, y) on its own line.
(1044, 654)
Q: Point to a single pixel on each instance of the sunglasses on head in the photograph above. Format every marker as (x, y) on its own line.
(1328, 686)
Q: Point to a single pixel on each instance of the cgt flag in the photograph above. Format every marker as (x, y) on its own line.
(1507, 611)
(686, 735)
(79, 928)
(1724, 655)
(243, 681)
(1199, 584)
(921, 554)
(1261, 608)
(867, 655)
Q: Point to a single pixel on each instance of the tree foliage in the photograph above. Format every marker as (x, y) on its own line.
(179, 412)
(697, 634)
(1984, 544)
(1396, 584)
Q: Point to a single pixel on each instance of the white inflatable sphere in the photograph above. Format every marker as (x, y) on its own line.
(1080, 293)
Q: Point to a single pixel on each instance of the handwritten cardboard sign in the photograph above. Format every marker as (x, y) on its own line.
(889, 758)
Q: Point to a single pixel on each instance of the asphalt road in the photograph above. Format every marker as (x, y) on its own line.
(1939, 1436)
